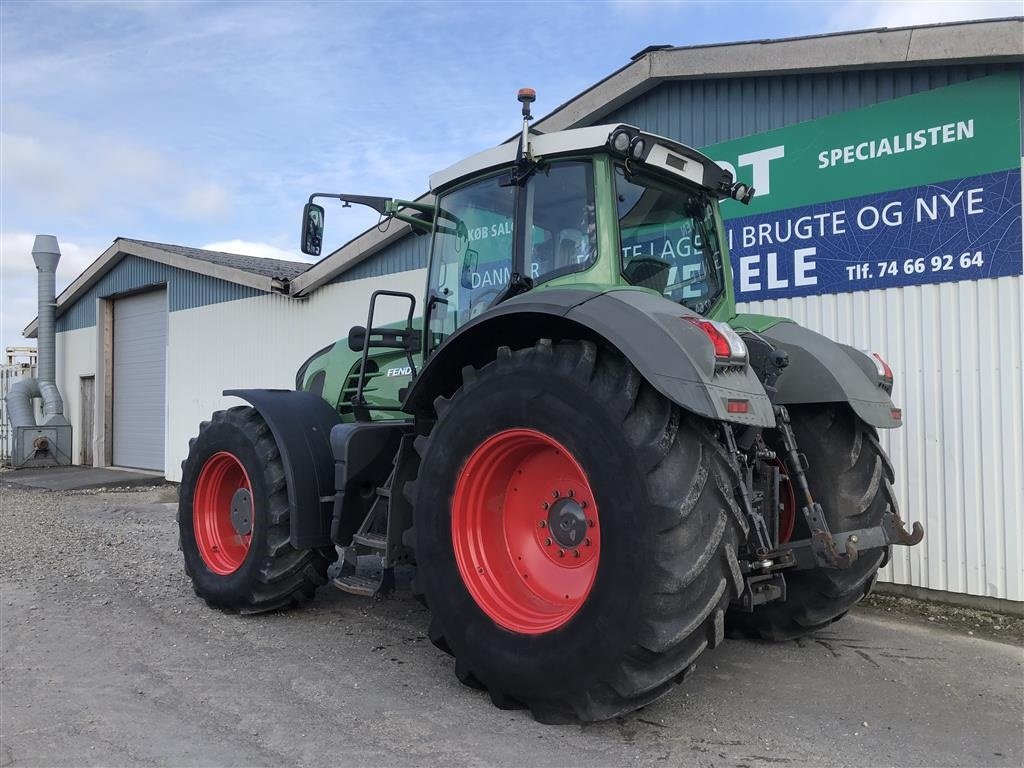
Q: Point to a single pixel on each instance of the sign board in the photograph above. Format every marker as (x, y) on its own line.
(920, 189)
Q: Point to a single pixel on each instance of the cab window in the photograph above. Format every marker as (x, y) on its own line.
(559, 203)
(472, 254)
(668, 237)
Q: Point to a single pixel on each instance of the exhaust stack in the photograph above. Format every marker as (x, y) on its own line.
(48, 442)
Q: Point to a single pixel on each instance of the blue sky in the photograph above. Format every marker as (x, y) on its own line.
(208, 124)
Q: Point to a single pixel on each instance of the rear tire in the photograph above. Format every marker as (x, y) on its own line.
(248, 573)
(851, 477)
(665, 565)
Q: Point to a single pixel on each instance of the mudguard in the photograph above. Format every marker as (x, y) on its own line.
(822, 371)
(301, 423)
(675, 357)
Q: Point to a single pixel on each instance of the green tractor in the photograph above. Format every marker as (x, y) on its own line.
(597, 467)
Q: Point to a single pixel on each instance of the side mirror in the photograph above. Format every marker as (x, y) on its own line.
(312, 229)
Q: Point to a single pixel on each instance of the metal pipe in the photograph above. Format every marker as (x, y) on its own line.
(20, 412)
(46, 255)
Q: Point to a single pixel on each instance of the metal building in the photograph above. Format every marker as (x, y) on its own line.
(904, 144)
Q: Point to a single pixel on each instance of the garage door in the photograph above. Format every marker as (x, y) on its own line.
(140, 360)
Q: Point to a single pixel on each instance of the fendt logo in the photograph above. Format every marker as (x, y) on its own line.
(402, 371)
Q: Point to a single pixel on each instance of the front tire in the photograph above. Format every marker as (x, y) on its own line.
(851, 477)
(233, 520)
(591, 636)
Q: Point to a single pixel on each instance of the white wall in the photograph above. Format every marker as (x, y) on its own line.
(260, 342)
(955, 352)
(76, 357)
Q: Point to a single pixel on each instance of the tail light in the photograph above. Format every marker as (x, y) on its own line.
(881, 367)
(729, 347)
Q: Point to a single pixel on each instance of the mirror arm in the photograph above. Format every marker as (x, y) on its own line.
(395, 204)
(413, 221)
(379, 204)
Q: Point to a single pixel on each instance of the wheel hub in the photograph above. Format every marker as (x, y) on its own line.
(526, 531)
(241, 512)
(567, 522)
(222, 513)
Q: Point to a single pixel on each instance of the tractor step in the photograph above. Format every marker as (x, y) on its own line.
(357, 584)
(375, 583)
(371, 540)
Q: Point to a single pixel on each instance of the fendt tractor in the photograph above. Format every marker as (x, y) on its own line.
(596, 466)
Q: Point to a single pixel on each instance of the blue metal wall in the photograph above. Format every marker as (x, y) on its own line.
(410, 252)
(185, 290)
(703, 112)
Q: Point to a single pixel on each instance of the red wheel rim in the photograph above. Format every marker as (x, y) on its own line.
(787, 504)
(222, 547)
(525, 531)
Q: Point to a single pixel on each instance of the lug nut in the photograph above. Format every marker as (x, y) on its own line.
(547, 542)
(571, 493)
(543, 523)
(544, 505)
(590, 523)
(575, 553)
(554, 494)
(583, 504)
(561, 553)
(586, 542)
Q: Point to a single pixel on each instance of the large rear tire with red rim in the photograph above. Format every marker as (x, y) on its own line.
(233, 520)
(575, 533)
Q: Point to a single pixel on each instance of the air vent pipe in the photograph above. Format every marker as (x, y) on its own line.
(46, 255)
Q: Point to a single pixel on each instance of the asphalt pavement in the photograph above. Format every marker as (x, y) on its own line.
(109, 659)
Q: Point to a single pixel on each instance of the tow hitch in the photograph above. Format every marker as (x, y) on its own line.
(825, 549)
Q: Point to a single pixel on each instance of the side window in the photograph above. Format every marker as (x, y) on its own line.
(560, 219)
(472, 254)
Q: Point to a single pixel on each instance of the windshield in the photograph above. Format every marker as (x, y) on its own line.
(668, 239)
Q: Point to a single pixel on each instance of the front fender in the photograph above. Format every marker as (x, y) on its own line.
(675, 357)
(301, 424)
(823, 371)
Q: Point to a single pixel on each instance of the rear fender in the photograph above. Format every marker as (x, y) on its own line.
(822, 371)
(301, 424)
(674, 356)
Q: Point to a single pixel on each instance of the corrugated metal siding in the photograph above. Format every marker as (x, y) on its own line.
(186, 290)
(955, 351)
(411, 252)
(704, 112)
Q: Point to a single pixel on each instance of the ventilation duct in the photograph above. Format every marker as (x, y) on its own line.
(45, 443)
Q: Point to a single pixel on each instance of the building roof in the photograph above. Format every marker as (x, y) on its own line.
(968, 42)
(257, 265)
(269, 275)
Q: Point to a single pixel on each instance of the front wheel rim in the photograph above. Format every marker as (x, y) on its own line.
(222, 509)
(525, 531)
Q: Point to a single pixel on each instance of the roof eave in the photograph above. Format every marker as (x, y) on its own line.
(963, 43)
(122, 247)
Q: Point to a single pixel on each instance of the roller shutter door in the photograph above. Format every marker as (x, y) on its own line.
(140, 371)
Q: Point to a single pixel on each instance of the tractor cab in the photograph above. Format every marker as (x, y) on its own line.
(600, 208)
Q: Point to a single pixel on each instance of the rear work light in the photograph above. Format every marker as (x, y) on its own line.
(729, 347)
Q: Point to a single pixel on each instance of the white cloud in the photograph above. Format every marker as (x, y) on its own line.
(251, 248)
(867, 14)
(58, 166)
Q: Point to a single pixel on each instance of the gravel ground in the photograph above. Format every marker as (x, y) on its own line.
(109, 659)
